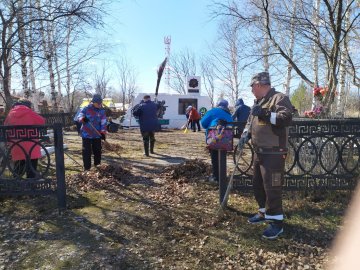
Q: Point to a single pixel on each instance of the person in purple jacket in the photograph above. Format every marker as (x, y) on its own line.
(146, 112)
(93, 130)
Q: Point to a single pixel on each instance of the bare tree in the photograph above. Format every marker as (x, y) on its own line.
(290, 49)
(328, 35)
(182, 65)
(208, 75)
(342, 73)
(17, 18)
(127, 81)
(227, 56)
(102, 81)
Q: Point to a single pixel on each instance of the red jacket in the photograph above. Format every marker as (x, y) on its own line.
(22, 115)
(193, 114)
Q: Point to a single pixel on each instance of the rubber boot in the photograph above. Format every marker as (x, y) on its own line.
(152, 144)
(146, 148)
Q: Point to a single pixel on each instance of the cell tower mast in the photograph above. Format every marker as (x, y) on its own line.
(167, 43)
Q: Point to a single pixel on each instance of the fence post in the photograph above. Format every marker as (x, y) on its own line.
(60, 166)
(222, 174)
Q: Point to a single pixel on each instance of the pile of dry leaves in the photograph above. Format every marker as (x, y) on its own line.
(102, 177)
(112, 147)
(188, 171)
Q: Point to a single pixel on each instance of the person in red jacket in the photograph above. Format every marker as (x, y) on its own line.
(22, 114)
(194, 118)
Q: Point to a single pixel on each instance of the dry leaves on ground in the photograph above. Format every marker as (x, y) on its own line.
(190, 170)
(112, 147)
(102, 177)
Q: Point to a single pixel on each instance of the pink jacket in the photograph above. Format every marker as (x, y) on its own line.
(22, 115)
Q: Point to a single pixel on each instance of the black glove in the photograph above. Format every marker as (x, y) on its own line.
(85, 119)
(262, 113)
(245, 137)
(103, 136)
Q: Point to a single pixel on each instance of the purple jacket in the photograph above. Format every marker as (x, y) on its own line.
(97, 120)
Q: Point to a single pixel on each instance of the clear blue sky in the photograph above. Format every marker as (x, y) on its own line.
(138, 28)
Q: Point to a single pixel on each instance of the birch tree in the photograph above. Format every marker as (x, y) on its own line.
(328, 36)
(16, 18)
(290, 49)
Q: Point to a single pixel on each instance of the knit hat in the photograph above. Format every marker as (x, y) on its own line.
(223, 103)
(24, 102)
(97, 99)
(189, 108)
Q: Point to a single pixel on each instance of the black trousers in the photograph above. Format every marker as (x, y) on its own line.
(197, 123)
(148, 136)
(91, 146)
(20, 167)
(215, 162)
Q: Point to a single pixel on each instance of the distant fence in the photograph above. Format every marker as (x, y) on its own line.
(18, 175)
(323, 154)
(65, 119)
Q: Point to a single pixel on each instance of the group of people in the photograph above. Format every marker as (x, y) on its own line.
(266, 124)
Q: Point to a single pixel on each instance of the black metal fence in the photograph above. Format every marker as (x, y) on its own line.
(323, 154)
(25, 164)
(65, 119)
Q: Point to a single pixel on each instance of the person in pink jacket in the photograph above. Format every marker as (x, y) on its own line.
(22, 114)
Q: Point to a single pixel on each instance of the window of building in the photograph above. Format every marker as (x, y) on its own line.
(186, 102)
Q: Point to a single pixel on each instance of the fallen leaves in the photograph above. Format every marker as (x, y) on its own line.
(188, 171)
(112, 147)
(102, 177)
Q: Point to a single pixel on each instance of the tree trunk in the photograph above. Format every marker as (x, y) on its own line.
(68, 74)
(48, 54)
(336, 22)
(315, 49)
(341, 100)
(291, 49)
(30, 44)
(22, 37)
(266, 46)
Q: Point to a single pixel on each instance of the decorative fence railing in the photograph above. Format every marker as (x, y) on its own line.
(66, 119)
(323, 154)
(20, 174)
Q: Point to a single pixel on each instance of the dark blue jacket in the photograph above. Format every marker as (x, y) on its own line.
(242, 111)
(147, 114)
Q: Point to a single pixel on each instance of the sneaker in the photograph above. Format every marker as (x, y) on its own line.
(258, 218)
(273, 230)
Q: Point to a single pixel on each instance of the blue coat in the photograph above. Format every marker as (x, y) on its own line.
(242, 111)
(146, 112)
(210, 119)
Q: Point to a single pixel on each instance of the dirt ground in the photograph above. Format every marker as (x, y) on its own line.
(159, 212)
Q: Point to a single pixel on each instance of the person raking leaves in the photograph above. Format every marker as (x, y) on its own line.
(93, 130)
